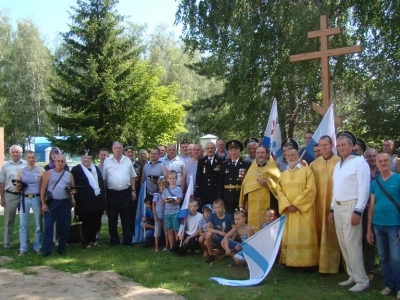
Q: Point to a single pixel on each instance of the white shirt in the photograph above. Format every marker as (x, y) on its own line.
(175, 164)
(351, 180)
(193, 223)
(118, 174)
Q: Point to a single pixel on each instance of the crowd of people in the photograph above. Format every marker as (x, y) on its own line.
(338, 206)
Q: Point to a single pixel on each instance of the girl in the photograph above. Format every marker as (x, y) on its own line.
(242, 230)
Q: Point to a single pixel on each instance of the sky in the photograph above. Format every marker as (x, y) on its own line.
(51, 16)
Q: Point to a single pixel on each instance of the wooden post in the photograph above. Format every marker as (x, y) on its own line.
(324, 55)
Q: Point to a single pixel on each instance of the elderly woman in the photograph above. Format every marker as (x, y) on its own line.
(90, 198)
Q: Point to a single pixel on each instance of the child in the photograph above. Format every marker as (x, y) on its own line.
(218, 225)
(242, 230)
(158, 212)
(190, 235)
(207, 210)
(148, 223)
(270, 216)
(172, 197)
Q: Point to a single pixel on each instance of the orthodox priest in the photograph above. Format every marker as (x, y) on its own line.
(258, 190)
(322, 167)
(296, 196)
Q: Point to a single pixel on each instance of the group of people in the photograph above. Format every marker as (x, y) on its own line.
(336, 205)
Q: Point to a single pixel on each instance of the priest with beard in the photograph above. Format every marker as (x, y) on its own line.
(296, 196)
(258, 189)
(322, 167)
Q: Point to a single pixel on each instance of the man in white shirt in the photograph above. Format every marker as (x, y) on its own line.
(8, 192)
(351, 179)
(173, 162)
(119, 180)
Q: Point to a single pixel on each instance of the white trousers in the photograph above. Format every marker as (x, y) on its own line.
(350, 241)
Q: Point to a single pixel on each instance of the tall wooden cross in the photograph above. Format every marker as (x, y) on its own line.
(324, 55)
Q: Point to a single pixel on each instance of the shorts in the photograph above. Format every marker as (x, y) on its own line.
(172, 221)
(217, 239)
(158, 226)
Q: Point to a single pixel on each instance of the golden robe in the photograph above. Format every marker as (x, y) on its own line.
(329, 253)
(257, 196)
(299, 242)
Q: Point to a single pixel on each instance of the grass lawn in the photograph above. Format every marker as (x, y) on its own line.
(187, 276)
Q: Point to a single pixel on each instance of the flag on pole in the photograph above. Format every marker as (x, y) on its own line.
(140, 213)
(272, 136)
(260, 251)
(183, 213)
(326, 127)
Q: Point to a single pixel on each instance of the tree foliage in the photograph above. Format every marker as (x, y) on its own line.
(103, 86)
(25, 73)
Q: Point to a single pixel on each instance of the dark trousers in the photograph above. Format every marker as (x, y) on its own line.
(119, 204)
(58, 210)
(368, 249)
(90, 225)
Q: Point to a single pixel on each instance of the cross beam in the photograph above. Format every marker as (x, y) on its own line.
(323, 33)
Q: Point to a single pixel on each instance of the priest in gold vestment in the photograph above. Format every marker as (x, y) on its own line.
(260, 180)
(296, 195)
(322, 167)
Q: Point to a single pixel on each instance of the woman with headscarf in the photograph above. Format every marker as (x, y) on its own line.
(90, 197)
(52, 157)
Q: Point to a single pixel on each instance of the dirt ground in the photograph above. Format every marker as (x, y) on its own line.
(47, 283)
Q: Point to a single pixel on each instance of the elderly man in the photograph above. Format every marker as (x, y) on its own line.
(162, 151)
(388, 147)
(351, 181)
(384, 214)
(207, 174)
(10, 196)
(322, 167)
(57, 201)
(184, 151)
(173, 162)
(190, 167)
(287, 145)
(251, 145)
(119, 180)
(221, 151)
(152, 171)
(190, 149)
(296, 196)
(232, 174)
(260, 181)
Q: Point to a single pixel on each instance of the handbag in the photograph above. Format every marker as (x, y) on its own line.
(49, 194)
(75, 231)
(388, 195)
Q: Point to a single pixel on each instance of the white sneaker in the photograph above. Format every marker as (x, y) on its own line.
(359, 287)
(347, 282)
(386, 291)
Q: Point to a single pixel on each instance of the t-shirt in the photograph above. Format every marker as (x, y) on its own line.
(386, 214)
(264, 225)
(193, 223)
(171, 208)
(203, 224)
(225, 224)
(149, 217)
(159, 205)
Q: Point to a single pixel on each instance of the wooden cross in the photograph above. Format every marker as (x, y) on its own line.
(324, 55)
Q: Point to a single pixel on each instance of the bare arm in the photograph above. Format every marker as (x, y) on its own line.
(43, 189)
(371, 210)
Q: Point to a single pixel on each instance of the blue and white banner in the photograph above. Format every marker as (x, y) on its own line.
(260, 251)
(140, 213)
(185, 206)
(326, 127)
(272, 136)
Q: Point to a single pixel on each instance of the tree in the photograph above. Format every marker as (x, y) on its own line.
(26, 70)
(101, 82)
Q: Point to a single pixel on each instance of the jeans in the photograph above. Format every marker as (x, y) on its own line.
(149, 237)
(389, 253)
(36, 206)
(58, 210)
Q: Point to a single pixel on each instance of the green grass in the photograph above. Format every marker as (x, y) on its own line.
(187, 276)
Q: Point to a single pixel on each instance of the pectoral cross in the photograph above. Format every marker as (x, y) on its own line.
(324, 55)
